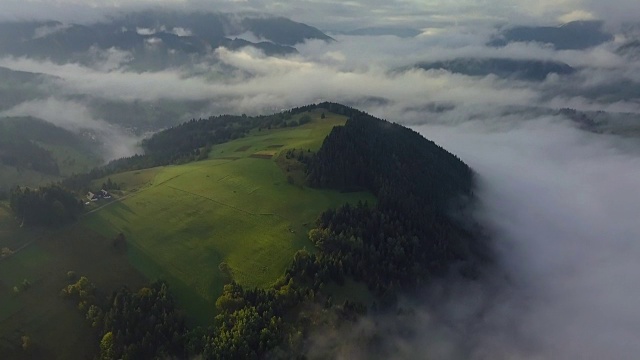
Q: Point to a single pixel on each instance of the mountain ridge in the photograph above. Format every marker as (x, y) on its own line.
(169, 32)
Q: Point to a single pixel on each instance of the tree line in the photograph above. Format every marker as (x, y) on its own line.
(50, 205)
(189, 141)
(24, 154)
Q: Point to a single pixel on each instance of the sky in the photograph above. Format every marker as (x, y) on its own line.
(335, 15)
(561, 203)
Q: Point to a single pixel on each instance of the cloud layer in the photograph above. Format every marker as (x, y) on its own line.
(76, 117)
(336, 15)
(563, 206)
(362, 71)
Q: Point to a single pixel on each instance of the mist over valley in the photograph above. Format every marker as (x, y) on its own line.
(488, 154)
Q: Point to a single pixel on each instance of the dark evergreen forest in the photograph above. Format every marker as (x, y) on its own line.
(46, 206)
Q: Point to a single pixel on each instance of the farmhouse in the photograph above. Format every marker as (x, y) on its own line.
(92, 197)
(102, 194)
(105, 194)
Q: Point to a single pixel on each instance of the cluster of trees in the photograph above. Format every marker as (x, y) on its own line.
(24, 154)
(190, 141)
(110, 185)
(83, 291)
(266, 323)
(386, 250)
(193, 140)
(395, 163)
(132, 325)
(142, 325)
(250, 322)
(146, 324)
(185, 142)
(47, 206)
(408, 236)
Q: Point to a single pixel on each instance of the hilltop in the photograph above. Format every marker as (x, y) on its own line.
(248, 220)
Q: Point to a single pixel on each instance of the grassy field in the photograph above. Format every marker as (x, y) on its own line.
(180, 222)
(56, 328)
(237, 207)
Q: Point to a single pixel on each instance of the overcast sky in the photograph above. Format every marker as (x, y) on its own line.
(335, 15)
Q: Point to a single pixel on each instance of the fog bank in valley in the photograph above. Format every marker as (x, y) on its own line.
(562, 206)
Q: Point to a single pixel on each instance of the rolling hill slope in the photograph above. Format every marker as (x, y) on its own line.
(237, 208)
(34, 152)
(239, 234)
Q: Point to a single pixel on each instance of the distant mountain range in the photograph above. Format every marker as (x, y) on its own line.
(574, 35)
(630, 49)
(401, 32)
(531, 70)
(173, 35)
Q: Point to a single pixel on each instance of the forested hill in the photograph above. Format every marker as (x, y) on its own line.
(365, 254)
(392, 161)
(409, 236)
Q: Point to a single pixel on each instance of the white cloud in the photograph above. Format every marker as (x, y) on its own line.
(180, 31)
(77, 118)
(145, 31)
(47, 30)
(563, 206)
(576, 15)
(153, 41)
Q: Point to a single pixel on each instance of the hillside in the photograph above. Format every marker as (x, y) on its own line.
(252, 225)
(34, 152)
(236, 207)
(409, 236)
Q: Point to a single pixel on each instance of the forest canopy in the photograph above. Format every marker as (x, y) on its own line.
(45, 206)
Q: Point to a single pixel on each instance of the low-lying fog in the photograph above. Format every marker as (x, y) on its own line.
(563, 207)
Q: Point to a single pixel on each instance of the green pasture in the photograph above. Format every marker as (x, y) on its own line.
(56, 327)
(180, 223)
(234, 208)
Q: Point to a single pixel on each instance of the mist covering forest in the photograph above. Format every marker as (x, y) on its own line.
(541, 100)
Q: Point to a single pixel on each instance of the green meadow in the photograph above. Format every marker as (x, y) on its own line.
(41, 259)
(181, 222)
